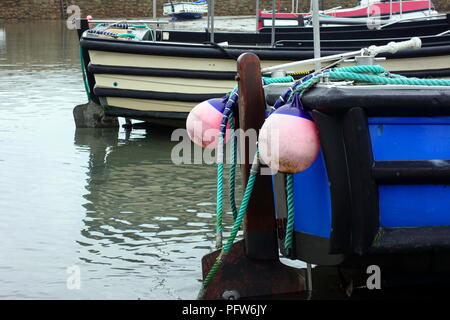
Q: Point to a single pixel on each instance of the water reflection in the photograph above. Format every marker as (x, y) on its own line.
(39, 45)
(107, 201)
(2, 40)
(143, 214)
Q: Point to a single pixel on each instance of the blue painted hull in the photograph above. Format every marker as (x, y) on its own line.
(385, 190)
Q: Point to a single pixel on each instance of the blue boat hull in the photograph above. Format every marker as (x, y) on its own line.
(381, 185)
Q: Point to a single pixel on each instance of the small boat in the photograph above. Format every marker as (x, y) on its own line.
(159, 76)
(388, 11)
(185, 10)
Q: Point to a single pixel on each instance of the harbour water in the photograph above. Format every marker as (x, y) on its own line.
(107, 205)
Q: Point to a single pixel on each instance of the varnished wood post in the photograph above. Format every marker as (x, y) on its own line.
(252, 267)
(259, 224)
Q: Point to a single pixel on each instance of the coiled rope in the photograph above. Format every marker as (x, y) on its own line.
(112, 34)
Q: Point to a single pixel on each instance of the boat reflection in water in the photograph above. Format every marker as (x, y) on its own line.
(2, 40)
(144, 215)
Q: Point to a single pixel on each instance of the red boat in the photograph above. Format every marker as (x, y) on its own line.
(394, 9)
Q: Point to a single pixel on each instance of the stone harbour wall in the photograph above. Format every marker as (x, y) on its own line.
(56, 9)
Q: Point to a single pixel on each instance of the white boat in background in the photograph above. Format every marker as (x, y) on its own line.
(185, 10)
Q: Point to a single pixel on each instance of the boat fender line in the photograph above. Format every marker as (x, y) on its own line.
(228, 122)
(221, 49)
(289, 234)
(238, 215)
(236, 226)
(227, 118)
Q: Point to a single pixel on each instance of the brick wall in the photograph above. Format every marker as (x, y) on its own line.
(51, 9)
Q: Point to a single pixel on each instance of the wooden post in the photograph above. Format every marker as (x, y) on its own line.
(252, 267)
(259, 223)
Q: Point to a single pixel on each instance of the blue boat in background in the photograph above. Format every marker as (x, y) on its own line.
(185, 10)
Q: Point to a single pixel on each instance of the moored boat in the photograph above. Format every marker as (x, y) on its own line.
(153, 76)
(380, 9)
(185, 10)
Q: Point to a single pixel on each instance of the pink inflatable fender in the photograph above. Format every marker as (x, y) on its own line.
(288, 140)
(203, 123)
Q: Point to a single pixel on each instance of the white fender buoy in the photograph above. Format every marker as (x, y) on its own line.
(288, 140)
(203, 123)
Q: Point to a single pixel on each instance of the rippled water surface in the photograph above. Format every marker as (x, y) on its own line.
(108, 202)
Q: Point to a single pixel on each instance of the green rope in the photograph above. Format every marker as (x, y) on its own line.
(268, 80)
(363, 69)
(139, 26)
(339, 75)
(152, 33)
(368, 74)
(288, 239)
(126, 35)
(236, 226)
(83, 72)
(232, 177)
(219, 195)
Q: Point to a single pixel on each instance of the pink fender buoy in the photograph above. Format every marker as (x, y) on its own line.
(203, 123)
(288, 140)
(89, 18)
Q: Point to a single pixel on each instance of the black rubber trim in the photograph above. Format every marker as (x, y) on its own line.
(279, 188)
(144, 115)
(412, 172)
(393, 240)
(159, 72)
(209, 51)
(430, 73)
(410, 102)
(333, 148)
(154, 95)
(314, 249)
(364, 191)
